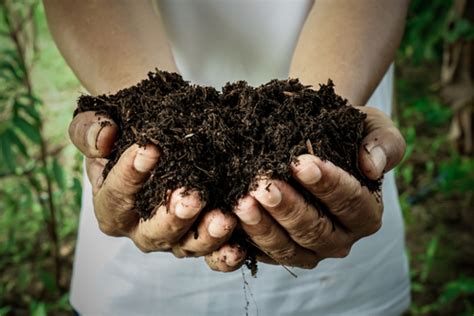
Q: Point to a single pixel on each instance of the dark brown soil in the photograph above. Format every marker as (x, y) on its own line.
(220, 142)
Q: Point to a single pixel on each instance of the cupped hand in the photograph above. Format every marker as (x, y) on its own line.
(291, 232)
(114, 198)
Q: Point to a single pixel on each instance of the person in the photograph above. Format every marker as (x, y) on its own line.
(111, 45)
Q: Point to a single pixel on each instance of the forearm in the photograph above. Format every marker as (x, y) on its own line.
(350, 41)
(109, 44)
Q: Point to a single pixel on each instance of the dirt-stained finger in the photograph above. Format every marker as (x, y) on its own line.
(307, 226)
(115, 199)
(356, 208)
(383, 146)
(94, 169)
(165, 228)
(94, 135)
(268, 236)
(227, 258)
(213, 230)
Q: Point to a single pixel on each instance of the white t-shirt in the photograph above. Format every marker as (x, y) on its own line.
(215, 41)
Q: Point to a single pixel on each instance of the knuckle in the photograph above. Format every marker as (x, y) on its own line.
(266, 237)
(156, 241)
(172, 235)
(205, 246)
(263, 235)
(353, 197)
(147, 245)
(327, 189)
(285, 253)
(115, 196)
(160, 245)
(180, 253)
(309, 237)
(151, 239)
(126, 175)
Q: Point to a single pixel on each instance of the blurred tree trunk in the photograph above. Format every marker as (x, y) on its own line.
(457, 79)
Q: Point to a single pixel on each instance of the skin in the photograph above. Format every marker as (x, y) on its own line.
(352, 42)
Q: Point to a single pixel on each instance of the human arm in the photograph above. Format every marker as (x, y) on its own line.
(111, 45)
(353, 43)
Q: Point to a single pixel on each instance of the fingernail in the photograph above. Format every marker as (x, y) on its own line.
(379, 159)
(267, 194)
(217, 227)
(187, 207)
(308, 172)
(144, 160)
(93, 135)
(248, 212)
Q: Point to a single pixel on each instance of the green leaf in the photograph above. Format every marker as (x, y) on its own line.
(77, 189)
(7, 154)
(5, 310)
(7, 68)
(407, 174)
(27, 129)
(58, 174)
(38, 309)
(47, 279)
(429, 258)
(12, 56)
(16, 141)
(417, 287)
(462, 29)
(28, 109)
(63, 302)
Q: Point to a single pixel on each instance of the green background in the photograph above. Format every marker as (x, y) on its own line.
(40, 171)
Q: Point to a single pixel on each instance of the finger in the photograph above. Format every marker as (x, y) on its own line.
(213, 230)
(356, 208)
(383, 146)
(266, 259)
(227, 258)
(307, 226)
(115, 199)
(168, 225)
(94, 169)
(92, 134)
(268, 236)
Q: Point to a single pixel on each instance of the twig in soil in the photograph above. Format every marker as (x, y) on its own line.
(309, 146)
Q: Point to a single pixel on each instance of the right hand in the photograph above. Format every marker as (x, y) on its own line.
(114, 199)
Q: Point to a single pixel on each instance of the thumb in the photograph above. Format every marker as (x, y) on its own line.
(115, 198)
(92, 134)
(382, 147)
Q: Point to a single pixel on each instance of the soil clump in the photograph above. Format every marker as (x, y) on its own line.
(219, 142)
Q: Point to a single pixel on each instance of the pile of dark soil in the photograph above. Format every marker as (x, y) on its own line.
(220, 142)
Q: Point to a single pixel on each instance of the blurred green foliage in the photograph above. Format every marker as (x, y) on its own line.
(436, 183)
(39, 193)
(40, 173)
(430, 24)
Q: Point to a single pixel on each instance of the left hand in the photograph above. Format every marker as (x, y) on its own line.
(293, 233)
